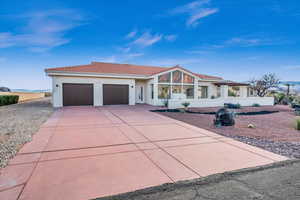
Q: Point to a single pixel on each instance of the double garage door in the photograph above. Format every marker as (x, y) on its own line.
(83, 94)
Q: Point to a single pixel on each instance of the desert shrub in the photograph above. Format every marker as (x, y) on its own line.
(256, 105)
(298, 124)
(48, 94)
(278, 97)
(8, 99)
(185, 105)
(297, 112)
(232, 106)
(166, 103)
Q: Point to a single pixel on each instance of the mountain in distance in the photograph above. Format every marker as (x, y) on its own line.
(26, 90)
(294, 86)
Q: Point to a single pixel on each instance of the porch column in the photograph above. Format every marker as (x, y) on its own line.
(224, 91)
(243, 91)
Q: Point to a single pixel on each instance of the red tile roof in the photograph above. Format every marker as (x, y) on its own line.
(114, 68)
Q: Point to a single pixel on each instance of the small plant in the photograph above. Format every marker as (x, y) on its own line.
(298, 124)
(166, 103)
(256, 105)
(8, 99)
(212, 97)
(297, 112)
(186, 105)
(232, 106)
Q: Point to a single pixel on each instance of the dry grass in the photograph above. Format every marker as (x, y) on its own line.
(25, 96)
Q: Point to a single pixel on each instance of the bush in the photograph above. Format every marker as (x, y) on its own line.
(48, 94)
(297, 112)
(298, 124)
(232, 106)
(256, 105)
(8, 99)
(186, 105)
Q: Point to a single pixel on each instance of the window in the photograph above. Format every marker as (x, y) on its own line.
(203, 90)
(250, 92)
(234, 91)
(152, 91)
(187, 78)
(188, 90)
(164, 91)
(177, 76)
(164, 78)
(176, 89)
(218, 91)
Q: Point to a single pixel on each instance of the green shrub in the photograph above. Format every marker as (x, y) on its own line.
(256, 105)
(186, 105)
(298, 124)
(232, 106)
(297, 112)
(8, 99)
(48, 94)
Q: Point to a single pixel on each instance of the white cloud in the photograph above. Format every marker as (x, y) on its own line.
(170, 38)
(196, 10)
(147, 39)
(42, 30)
(291, 67)
(131, 34)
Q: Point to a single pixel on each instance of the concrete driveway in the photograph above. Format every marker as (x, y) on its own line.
(87, 152)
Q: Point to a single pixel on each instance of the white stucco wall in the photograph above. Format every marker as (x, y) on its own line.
(57, 81)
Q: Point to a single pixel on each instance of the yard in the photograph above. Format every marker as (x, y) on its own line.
(18, 123)
(274, 132)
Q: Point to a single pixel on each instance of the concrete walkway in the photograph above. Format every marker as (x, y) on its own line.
(86, 152)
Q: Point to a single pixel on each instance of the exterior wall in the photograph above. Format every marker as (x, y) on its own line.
(244, 101)
(57, 93)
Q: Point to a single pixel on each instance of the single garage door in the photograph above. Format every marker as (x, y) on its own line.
(78, 94)
(115, 94)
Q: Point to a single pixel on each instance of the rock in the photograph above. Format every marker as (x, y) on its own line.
(224, 118)
(251, 126)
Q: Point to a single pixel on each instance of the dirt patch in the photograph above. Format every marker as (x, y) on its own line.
(274, 132)
(18, 123)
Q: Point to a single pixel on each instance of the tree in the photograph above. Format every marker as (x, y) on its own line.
(261, 86)
(288, 85)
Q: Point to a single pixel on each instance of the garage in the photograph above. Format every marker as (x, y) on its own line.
(78, 94)
(114, 94)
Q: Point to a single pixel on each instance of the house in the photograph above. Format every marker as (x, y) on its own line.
(101, 83)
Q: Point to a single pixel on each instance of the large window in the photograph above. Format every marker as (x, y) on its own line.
(176, 89)
(203, 91)
(188, 90)
(177, 76)
(180, 82)
(234, 91)
(164, 78)
(164, 91)
(187, 78)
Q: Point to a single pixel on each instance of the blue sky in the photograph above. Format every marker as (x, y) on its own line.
(237, 40)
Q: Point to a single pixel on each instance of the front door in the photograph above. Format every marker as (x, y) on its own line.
(140, 91)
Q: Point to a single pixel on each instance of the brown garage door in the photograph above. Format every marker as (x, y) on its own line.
(78, 94)
(115, 94)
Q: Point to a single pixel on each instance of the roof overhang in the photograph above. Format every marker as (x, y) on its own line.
(96, 75)
(231, 83)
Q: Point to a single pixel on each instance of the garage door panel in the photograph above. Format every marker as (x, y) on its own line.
(78, 94)
(115, 94)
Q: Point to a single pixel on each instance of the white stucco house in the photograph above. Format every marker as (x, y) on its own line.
(101, 84)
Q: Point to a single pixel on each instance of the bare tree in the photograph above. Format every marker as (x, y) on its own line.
(261, 86)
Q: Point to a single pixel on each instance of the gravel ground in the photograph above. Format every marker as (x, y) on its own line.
(18, 123)
(273, 132)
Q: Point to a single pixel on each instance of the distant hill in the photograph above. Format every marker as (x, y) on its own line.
(25, 90)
